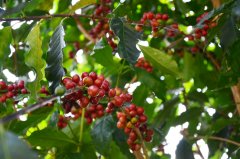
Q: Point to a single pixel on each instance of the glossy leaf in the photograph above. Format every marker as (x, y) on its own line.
(161, 61)
(190, 114)
(102, 53)
(81, 4)
(54, 70)
(102, 134)
(6, 38)
(53, 137)
(128, 38)
(34, 59)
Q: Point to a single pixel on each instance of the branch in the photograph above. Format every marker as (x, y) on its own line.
(27, 109)
(214, 61)
(236, 95)
(218, 139)
(82, 29)
(143, 144)
(199, 151)
(28, 18)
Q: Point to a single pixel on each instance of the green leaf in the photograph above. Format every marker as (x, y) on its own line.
(121, 10)
(54, 71)
(102, 53)
(5, 38)
(34, 59)
(49, 137)
(190, 114)
(140, 94)
(181, 6)
(163, 115)
(13, 10)
(229, 34)
(184, 150)
(16, 63)
(20, 34)
(114, 152)
(189, 63)
(161, 61)
(81, 4)
(120, 139)
(152, 82)
(12, 147)
(128, 38)
(21, 127)
(87, 152)
(102, 134)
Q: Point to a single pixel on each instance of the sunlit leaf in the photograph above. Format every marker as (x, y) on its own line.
(34, 59)
(161, 61)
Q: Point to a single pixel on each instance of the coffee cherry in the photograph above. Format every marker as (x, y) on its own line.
(111, 92)
(93, 91)
(3, 85)
(93, 75)
(120, 125)
(10, 87)
(84, 74)
(76, 79)
(138, 28)
(143, 118)
(87, 81)
(140, 110)
(21, 84)
(118, 101)
(24, 91)
(59, 90)
(84, 101)
(70, 85)
(150, 15)
(165, 17)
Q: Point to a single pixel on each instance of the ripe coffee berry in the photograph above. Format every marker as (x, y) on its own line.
(144, 64)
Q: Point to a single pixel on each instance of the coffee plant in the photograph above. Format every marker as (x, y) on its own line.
(88, 79)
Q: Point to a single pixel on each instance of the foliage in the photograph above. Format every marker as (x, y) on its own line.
(177, 61)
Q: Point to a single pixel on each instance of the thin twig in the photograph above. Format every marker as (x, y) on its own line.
(145, 151)
(28, 109)
(236, 95)
(83, 30)
(214, 61)
(199, 151)
(29, 18)
(218, 139)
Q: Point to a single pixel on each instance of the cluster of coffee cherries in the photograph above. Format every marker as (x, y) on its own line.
(90, 90)
(154, 20)
(200, 33)
(11, 90)
(134, 117)
(102, 27)
(91, 94)
(144, 64)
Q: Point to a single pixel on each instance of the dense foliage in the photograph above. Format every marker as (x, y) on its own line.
(108, 79)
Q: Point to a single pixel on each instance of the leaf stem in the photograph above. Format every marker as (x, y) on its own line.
(81, 129)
